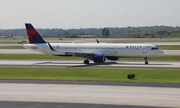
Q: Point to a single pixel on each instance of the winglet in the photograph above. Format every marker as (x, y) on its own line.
(33, 35)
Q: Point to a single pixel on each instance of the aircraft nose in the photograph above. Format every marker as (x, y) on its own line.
(160, 53)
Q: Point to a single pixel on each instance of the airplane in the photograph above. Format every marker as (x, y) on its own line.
(97, 52)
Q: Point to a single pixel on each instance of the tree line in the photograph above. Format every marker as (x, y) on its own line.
(125, 32)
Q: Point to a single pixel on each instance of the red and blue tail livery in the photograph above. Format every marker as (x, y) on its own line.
(33, 35)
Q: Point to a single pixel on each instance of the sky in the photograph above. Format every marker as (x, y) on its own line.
(68, 14)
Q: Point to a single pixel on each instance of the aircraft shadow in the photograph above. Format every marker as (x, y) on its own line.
(83, 65)
(141, 64)
(45, 63)
(94, 64)
(97, 64)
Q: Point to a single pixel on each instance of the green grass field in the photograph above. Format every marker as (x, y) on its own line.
(49, 57)
(105, 75)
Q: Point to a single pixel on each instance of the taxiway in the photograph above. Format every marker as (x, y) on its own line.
(79, 64)
(27, 51)
(90, 94)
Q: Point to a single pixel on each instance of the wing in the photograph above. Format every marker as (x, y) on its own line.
(81, 54)
(75, 53)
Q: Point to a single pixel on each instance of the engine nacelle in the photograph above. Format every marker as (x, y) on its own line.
(99, 58)
(112, 58)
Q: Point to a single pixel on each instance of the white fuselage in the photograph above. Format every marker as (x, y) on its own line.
(108, 49)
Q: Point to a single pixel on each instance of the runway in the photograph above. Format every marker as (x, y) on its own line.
(18, 51)
(79, 64)
(88, 95)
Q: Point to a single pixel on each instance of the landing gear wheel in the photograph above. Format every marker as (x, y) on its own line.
(86, 61)
(146, 62)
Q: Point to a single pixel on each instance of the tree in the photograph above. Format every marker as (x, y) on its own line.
(105, 32)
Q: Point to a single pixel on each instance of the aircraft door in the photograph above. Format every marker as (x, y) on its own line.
(115, 50)
(79, 48)
(144, 50)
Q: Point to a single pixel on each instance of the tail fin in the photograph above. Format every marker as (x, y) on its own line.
(33, 35)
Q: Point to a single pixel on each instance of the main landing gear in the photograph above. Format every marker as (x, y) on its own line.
(86, 61)
(146, 62)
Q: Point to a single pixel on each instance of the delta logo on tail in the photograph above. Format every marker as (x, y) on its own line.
(33, 35)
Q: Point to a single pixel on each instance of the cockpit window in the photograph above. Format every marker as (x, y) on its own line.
(154, 48)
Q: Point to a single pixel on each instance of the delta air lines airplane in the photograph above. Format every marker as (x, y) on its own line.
(97, 52)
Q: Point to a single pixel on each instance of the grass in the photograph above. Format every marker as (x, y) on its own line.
(105, 75)
(49, 57)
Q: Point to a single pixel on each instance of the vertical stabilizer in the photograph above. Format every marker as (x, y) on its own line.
(33, 35)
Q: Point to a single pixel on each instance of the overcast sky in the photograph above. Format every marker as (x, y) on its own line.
(68, 14)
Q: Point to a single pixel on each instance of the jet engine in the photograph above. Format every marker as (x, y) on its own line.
(99, 58)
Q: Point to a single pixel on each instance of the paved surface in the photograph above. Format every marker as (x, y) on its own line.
(171, 52)
(164, 43)
(90, 94)
(14, 104)
(18, 51)
(11, 45)
(27, 51)
(23, 104)
(79, 64)
(93, 83)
